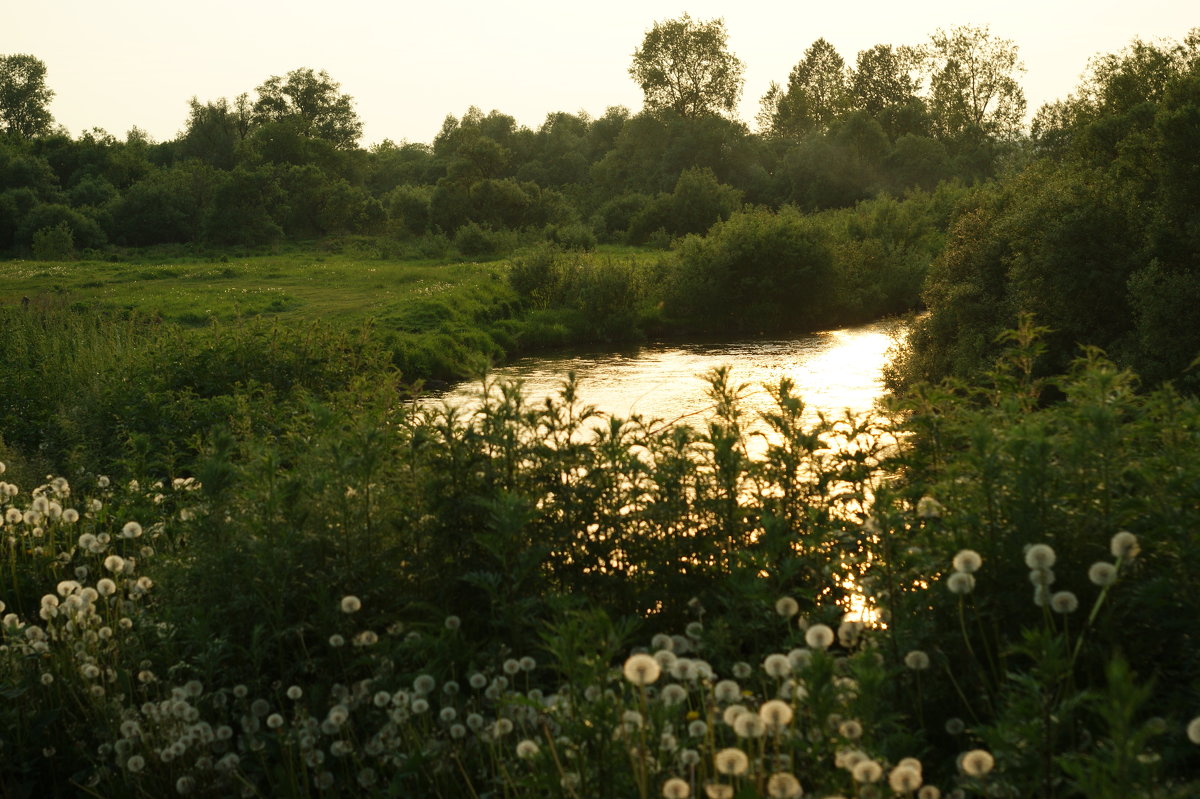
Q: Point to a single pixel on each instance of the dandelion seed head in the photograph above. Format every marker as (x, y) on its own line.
(783, 785)
(776, 713)
(777, 665)
(727, 691)
(453, 623)
(929, 792)
(1102, 573)
(731, 761)
(787, 607)
(904, 779)
(850, 730)
(929, 508)
(106, 587)
(642, 669)
(1064, 602)
(916, 660)
(967, 560)
(351, 604)
(527, 663)
(1193, 730)
(697, 728)
(849, 632)
(749, 725)
(676, 788)
(961, 583)
(337, 641)
(818, 636)
(1040, 556)
(717, 790)
(867, 771)
(1124, 544)
(527, 749)
(976, 762)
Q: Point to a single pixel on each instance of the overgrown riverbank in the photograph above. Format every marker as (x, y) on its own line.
(340, 595)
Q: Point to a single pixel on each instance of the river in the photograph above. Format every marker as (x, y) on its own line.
(832, 370)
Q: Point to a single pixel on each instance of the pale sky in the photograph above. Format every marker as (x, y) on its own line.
(121, 63)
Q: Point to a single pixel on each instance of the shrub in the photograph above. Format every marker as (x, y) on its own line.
(54, 243)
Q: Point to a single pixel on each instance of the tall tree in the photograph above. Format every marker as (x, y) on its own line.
(215, 129)
(972, 82)
(815, 96)
(23, 96)
(312, 100)
(685, 66)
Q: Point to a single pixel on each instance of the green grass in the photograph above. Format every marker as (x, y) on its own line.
(295, 287)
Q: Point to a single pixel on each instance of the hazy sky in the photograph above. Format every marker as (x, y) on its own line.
(122, 63)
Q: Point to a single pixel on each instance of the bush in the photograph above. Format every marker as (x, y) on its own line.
(472, 240)
(54, 243)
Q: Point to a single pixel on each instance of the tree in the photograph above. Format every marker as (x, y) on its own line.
(684, 65)
(215, 129)
(312, 101)
(816, 93)
(973, 89)
(24, 96)
(882, 86)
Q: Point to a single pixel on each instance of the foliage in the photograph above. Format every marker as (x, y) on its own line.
(24, 96)
(54, 243)
(684, 65)
(312, 100)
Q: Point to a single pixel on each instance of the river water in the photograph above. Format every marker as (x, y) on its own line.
(832, 371)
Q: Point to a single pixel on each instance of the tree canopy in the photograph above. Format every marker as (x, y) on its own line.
(684, 65)
(312, 101)
(24, 96)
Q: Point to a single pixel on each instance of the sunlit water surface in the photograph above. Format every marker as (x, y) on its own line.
(833, 371)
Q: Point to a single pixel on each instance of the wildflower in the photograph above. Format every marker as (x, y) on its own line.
(818, 636)
(453, 623)
(366, 638)
(1040, 556)
(185, 784)
(527, 749)
(848, 632)
(511, 666)
(1043, 578)
(477, 681)
(967, 560)
(749, 725)
(1102, 573)
(783, 785)
(689, 758)
(955, 726)
(527, 663)
(135, 764)
(867, 771)
(131, 530)
(70, 516)
(904, 779)
(961, 583)
(694, 629)
(675, 788)
(1193, 730)
(929, 792)
(929, 508)
(916, 660)
(777, 665)
(351, 604)
(641, 669)
(787, 607)
(503, 727)
(47, 678)
(716, 790)
(336, 641)
(1124, 544)
(976, 763)
(106, 587)
(851, 730)
(338, 715)
(697, 728)
(776, 713)
(731, 761)
(274, 721)
(727, 691)
(800, 658)
(1064, 602)
(295, 692)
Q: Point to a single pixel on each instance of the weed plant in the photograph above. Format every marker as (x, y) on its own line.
(982, 594)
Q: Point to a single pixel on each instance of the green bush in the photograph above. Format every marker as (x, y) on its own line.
(54, 243)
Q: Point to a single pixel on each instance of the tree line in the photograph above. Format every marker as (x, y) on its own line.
(286, 162)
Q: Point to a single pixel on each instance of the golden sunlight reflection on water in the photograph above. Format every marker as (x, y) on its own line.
(833, 371)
